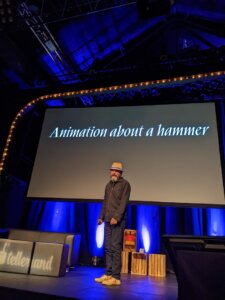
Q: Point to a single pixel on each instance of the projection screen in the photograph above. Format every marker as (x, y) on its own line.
(170, 153)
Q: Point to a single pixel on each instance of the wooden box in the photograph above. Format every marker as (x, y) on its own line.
(125, 262)
(157, 265)
(139, 263)
(129, 240)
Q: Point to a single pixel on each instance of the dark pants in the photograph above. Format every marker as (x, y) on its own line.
(113, 248)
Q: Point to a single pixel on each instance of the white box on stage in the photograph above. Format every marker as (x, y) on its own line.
(15, 256)
(49, 259)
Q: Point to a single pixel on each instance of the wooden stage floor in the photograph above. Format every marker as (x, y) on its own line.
(79, 284)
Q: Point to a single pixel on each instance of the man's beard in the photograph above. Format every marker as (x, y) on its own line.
(114, 178)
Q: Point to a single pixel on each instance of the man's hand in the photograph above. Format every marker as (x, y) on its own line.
(100, 221)
(113, 221)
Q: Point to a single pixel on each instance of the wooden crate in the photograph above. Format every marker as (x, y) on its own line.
(157, 265)
(125, 262)
(139, 263)
(129, 240)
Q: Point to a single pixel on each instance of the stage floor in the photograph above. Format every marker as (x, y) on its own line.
(79, 284)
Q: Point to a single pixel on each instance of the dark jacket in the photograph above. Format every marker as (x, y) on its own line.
(115, 201)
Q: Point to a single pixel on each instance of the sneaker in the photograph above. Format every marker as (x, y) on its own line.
(111, 281)
(102, 278)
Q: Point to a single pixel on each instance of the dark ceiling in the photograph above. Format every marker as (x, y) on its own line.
(51, 43)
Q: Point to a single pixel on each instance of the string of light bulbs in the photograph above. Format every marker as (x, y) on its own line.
(123, 87)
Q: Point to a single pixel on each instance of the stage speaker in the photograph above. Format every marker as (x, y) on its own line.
(201, 275)
(199, 265)
(49, 259)
(15, 256)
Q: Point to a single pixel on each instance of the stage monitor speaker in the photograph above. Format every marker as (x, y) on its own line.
(15, 256)
(199, 265)
(49, 259)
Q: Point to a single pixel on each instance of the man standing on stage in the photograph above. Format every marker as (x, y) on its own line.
(114, 212)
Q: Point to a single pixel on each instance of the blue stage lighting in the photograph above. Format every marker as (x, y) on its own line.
(215, 222)
(100, 235)
(146, 238)
(55, 103)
